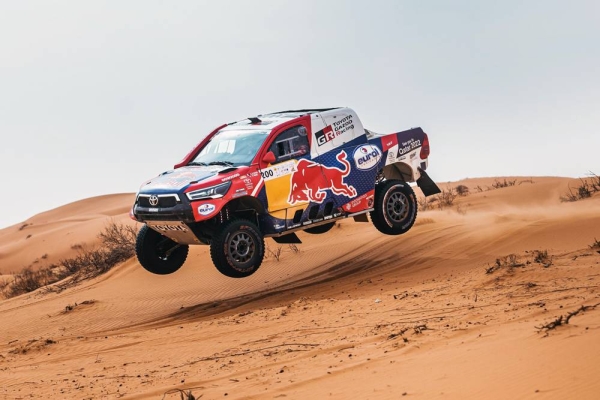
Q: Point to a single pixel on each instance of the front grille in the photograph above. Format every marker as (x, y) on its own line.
(159, 217)
(163, 201)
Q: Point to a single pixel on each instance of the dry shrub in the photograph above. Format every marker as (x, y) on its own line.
(502, 184)
(594, 181)
(479, 189)
(446, 198)
(117, 245)
(4, 283)
(510, 261)
(526, 181)
(424, 204)
(595, 245)
(585, 190)
(542, 257)
(462, 190)
(28, 281)
(442, 200)
(274, 253)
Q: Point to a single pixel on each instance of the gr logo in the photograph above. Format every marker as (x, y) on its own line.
(325, 135)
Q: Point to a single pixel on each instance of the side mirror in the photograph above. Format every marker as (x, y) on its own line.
(269, 158)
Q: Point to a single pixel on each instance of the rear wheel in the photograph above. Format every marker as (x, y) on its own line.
(395, 207)
(157, 253)
(238, 249)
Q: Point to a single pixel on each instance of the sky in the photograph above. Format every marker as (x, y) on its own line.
(96, 97)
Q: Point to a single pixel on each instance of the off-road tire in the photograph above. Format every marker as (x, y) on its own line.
(317, 230)
(395, 207)
(238, 249)
(152, 250)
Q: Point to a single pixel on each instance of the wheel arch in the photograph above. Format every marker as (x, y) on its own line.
(247, 207)
(399, 171)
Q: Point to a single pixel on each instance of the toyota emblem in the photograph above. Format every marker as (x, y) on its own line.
(153, 200)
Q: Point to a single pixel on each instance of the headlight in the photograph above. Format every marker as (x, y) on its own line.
(213, 192)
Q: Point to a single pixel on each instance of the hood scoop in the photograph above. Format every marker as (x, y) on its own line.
(227, 170)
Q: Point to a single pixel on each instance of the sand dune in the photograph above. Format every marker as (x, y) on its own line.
(353, 315)
(50, 236)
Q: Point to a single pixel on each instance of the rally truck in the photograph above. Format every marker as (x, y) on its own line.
(274, 175)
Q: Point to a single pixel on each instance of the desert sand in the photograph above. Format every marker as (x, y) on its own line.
(353, 314)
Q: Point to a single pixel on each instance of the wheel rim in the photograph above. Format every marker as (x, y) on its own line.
(397, 206)
(241, 247)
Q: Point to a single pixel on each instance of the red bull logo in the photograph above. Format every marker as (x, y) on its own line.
(311, 180)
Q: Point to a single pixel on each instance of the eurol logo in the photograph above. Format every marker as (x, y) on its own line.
(206, 209)
(367, 156)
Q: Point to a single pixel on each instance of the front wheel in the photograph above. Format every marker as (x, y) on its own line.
(157, 253)
(238, 249)
(395, 207)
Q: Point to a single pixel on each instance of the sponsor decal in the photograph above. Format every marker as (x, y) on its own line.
(153, 209)
(279, 226)
(334, 130)
(239, 193)
(325, 135)
(310, 180)
(206, 209)
(391, 157)
(230, 177)
(408, 146)
(367, 156)
(360, 203)
(277, 170)
(355, 202)
(389, 141)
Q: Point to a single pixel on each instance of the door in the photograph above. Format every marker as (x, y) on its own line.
(291, 149)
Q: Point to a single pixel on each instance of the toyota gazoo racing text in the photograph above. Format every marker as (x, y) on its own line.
(275, 174)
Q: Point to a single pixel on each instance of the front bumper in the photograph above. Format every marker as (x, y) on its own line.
(180, 212)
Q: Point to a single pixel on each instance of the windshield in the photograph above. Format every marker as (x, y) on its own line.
(231, 148)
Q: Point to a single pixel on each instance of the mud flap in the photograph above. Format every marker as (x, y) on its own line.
(290, 238)
(427, 185)
(361, 218)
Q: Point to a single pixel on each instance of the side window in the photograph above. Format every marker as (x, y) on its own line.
(291, 143)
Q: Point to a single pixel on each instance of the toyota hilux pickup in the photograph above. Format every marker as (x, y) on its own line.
(273, 175)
